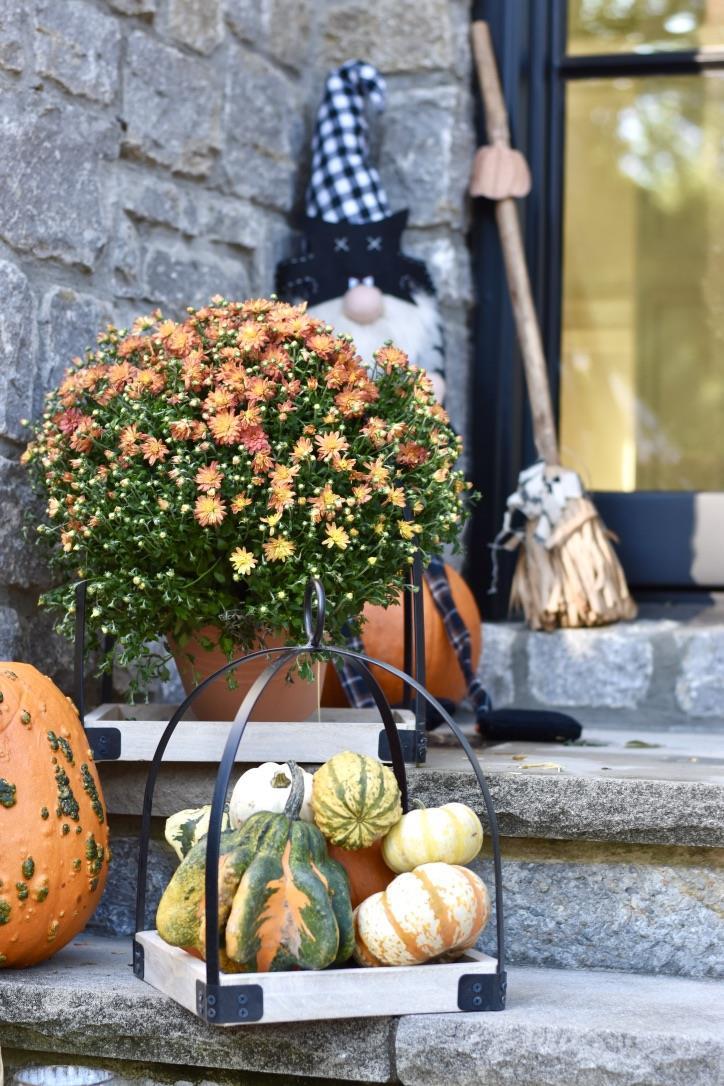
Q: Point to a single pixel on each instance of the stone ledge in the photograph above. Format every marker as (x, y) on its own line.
(668, 792)
(569, 1029)
(562, 1028)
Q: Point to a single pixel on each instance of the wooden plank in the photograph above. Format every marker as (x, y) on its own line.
(329, 993)
(203, 741)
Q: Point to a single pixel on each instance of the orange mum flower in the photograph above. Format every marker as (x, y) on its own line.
(378, 474)
(221, 399)
(330, 444)
(209, 477)
(129, 439)
(412, 454)
(282, 497)
(252, 336)
(240, 502)
(325, 504)
(302, 449)
(181, 429)
(259, 388)
(396, 496)
(154, 450)
(226, 428)
(391, 358)
(254, 439)
(209, 510)
(322, 344)
(336, 537)
(279, 549)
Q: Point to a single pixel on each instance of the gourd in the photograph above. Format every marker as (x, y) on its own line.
(267, 788)
(437, 909)
(366, 870)
(283, 903)
(452, 834)
(355, 799)
(53, 829)
(186, 827)
(383, 639)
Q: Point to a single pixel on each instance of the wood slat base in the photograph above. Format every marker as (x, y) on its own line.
(313, 995)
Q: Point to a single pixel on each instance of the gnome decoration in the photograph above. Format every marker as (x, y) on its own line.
(351, 270)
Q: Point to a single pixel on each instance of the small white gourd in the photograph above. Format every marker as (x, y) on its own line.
(267, 788)
(185, 828)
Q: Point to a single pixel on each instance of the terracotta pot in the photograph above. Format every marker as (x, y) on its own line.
(383, 639)
(283, 699)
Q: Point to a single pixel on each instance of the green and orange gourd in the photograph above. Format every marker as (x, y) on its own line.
(283, 903)
(54, 848)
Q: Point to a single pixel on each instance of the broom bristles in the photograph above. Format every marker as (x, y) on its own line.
(576, 580)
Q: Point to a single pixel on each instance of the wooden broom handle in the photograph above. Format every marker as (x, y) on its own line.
(506, 214)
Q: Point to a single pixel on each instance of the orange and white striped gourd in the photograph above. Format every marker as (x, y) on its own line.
(450, 834)
(437, 909)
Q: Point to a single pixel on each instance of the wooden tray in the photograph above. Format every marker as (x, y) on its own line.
(130, 733)
(242, 999)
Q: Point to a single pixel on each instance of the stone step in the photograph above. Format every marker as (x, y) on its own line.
(612, 854)
(562, 1028)
(664, 668)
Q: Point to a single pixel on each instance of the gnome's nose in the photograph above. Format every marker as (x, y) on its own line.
(363, 304)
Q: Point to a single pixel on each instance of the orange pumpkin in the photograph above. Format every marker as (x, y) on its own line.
(383, 639)
(53, 830)
(366, 870)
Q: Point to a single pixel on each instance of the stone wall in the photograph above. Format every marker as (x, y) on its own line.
(154, 152)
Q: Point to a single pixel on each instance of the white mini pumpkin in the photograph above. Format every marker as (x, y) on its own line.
(434, 910)
(450, 834)
(267, 788)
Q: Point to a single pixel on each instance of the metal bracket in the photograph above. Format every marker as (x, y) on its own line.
(412, 741)
(482, 991)
(229, 1004)
(139, 960)
(105, 743)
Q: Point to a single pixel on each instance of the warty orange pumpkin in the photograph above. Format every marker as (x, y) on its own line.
(53, 829)
(366, 870)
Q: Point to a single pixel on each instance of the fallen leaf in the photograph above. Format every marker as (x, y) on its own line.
(519, 757)
(638, 744)
(543, 765)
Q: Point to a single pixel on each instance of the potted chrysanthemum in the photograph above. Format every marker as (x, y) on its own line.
(198, 473)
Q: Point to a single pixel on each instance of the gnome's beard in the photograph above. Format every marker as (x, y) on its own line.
(413, 326)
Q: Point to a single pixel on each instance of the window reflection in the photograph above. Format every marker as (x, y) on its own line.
(642, 376)
(627, 26)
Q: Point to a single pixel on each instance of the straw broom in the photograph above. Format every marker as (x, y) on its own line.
(567, 572)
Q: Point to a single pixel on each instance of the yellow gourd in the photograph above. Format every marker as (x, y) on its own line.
(450, 834)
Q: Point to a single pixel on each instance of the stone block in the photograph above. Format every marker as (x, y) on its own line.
(70, 322)
(426, 153)
(21, 561)
(576, 1028)
(86, 1001)
(11, 637)
(125, 258)
(448, 261)
(48, 651)
(700, 684)
(177, 279)
(164, 203)
(116, 913)
(396, 37)
(17, 350)
(196, 23)
(231, 221)
(245, 18)
(79, 47)
(495, 670)
(134, 7)
(12, 54)
(592, 906)
(51, 157)
(289, 40)
(264, 134)
(171, 106)
(607, 668)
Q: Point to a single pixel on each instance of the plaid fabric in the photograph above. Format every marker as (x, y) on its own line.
(344, 187)
(458, 635)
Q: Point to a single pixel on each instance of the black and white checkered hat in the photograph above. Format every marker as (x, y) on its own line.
(344, 187)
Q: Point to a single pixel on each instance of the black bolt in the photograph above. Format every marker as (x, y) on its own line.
(241, 998)
(243, 1012)
(211, 1013)
(211, 1000)
(477, 1001)
(477, 987)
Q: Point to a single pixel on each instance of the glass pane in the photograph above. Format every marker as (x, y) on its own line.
(630, 26)
(642, 369)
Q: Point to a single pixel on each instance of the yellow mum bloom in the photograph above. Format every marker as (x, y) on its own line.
(279, 549)
(336, 537)
(406, 530)
(242, 560)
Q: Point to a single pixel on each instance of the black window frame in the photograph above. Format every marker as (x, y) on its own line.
(530, 41)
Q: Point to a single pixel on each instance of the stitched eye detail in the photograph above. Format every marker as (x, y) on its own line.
(341, 244)
(374, 243)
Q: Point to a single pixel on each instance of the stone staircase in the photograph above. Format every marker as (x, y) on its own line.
(613, 863)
